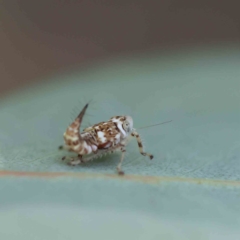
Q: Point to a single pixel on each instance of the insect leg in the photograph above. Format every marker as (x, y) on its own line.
(76, 160)
(98, 154)
(140, 145)
(64, 147)
(119, 166)
(101, 152)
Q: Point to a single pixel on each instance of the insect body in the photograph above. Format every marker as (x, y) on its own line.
(100, 138)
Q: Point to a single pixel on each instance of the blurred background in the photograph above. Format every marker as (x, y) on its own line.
(41, 38)
(195, 191)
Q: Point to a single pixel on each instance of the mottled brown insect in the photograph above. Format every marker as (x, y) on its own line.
(100, 138)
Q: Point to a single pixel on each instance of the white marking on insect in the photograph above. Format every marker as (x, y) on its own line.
(99, 139)
(101, 136)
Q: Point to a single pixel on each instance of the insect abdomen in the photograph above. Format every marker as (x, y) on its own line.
(74, 140)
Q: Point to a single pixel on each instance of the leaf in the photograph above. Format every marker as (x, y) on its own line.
(190, 190)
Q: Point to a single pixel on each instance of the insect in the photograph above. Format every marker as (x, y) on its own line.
(101, 138)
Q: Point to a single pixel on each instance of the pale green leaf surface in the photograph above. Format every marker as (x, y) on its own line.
(101, 209)
(199, 91)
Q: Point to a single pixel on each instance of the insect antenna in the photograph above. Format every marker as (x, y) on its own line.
(155, 124)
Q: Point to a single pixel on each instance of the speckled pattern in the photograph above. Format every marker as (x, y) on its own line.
(100, 138)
